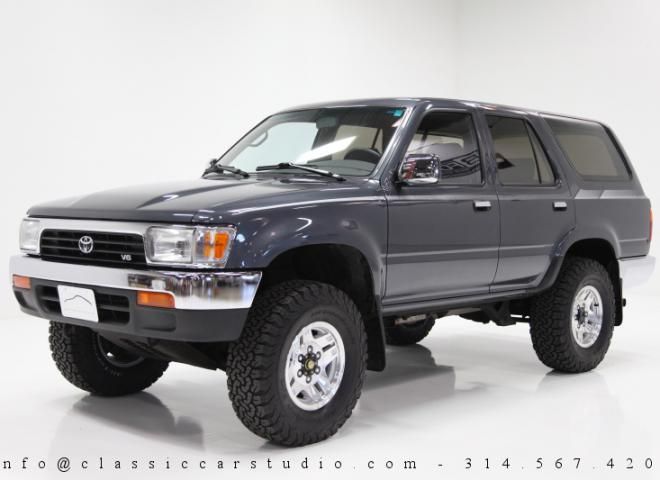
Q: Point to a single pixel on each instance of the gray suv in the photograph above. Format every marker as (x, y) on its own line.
(329, 231)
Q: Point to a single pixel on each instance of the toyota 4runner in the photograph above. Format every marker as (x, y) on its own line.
(329, 231)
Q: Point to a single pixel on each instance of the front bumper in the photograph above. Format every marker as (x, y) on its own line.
(209, 305)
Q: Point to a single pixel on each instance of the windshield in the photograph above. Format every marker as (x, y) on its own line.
(347, 141)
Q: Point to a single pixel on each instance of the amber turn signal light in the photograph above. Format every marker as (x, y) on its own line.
(21, 282)
(155, 299)
(215, 245)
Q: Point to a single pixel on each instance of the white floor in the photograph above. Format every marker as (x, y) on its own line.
(469, 390)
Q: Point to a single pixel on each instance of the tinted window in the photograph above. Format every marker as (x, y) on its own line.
(589, 148)
(451, 138)
(520, 157)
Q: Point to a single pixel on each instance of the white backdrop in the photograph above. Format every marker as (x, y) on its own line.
(98, 94)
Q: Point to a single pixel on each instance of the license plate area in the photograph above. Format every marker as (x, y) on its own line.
(76, 302)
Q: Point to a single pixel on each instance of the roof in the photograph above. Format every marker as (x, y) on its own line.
(438, 102)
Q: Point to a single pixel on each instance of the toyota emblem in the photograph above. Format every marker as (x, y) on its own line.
(86, 244)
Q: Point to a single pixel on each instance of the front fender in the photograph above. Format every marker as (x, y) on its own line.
(265, 232)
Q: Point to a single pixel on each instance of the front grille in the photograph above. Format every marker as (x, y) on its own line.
(110, 308)
(112, 249)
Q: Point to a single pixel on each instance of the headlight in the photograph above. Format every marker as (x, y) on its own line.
(29, 235)
(196, 246)
(170, 245)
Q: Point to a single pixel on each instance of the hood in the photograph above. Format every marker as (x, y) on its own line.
(199, 201)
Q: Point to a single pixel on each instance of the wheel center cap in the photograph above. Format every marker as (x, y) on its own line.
(309, 365)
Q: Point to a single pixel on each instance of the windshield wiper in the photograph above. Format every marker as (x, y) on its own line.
(215, 167)
(287, 165)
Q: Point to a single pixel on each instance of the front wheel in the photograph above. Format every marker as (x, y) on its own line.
(92, 363)
(572, 323)
(296, 372)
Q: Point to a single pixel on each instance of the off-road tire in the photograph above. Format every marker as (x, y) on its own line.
(255, 363)
(550, 318)
(409, 333)
(79, 358)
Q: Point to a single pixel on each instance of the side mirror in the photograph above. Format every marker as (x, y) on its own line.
(419, 169)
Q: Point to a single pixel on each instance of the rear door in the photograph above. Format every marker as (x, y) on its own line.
(536, 206)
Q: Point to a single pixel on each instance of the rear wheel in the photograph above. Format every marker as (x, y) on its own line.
(409, 333)
(572, 323)
(94, 364)
(296, 372)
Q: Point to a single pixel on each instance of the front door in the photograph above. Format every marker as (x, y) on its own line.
(443, 238)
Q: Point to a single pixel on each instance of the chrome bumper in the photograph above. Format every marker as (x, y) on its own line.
(636, 271)
(197, 290)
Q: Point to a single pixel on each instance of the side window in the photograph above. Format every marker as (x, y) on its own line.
(589, 148)
(520, 157)
(451, 137)
(543, 164)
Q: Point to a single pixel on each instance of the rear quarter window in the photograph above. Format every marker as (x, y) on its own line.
(590, 149)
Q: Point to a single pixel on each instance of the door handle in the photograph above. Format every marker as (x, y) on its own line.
(559, 206)
(482, 205)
